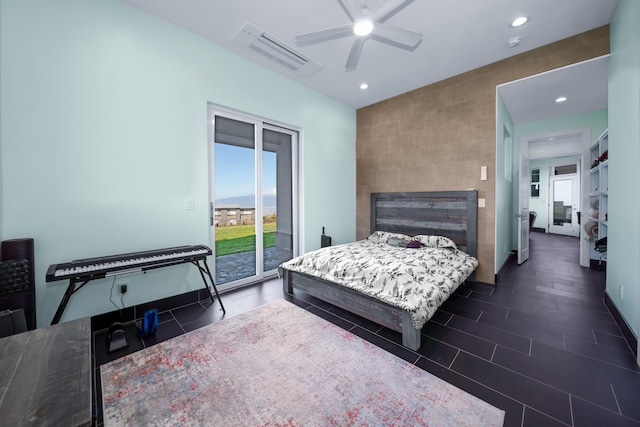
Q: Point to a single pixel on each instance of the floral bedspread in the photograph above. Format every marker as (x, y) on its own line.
(417, 280)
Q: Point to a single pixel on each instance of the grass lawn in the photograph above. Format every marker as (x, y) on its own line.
(242, 238)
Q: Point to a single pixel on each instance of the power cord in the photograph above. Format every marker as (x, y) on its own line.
(113, 284)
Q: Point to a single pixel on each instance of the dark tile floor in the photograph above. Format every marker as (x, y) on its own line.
(541, 344)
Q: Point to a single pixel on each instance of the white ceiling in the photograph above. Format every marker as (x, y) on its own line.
(585, 85)
(458, 36)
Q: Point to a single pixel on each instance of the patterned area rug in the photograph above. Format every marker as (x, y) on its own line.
(280, 365)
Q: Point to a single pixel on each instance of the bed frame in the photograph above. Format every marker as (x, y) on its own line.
(445, 213)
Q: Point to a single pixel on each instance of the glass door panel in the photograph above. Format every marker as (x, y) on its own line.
(234, 207)
(562, 202)
(277, 196)
(563, 206)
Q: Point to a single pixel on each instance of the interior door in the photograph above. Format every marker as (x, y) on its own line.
(563, 204)
(523, 210)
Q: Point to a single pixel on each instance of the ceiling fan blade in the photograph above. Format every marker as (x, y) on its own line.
(354, 55)
(389, 8)
(396, 36)
(324, 35)
(352, 7)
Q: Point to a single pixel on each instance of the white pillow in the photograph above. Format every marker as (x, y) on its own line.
(435, 241)
(383, 236)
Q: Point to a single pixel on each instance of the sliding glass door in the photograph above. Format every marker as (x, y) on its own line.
(277, 194)
(253, 221)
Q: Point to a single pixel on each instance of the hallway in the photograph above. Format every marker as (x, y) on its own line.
(574, 365)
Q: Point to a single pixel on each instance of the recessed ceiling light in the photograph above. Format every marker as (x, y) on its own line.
(364, 86)
(513, 42)
(561, 99)
(363, 27)
(519, 21)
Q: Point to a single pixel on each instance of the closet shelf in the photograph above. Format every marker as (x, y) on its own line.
(599, 166)
(598, 194)
(599, 199)
(598, 220)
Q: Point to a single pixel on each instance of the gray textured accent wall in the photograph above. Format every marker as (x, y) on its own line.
(437, 137)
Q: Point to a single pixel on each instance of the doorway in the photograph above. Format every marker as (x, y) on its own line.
(527, 106)
(556, 152)
(253, 203)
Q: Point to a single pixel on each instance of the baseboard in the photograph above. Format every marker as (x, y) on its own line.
(505, 266)
(629, 336)
(539, 230)
(131, 314)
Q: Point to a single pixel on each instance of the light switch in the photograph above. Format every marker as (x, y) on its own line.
(190, 204)
(483, 173)
(481, 203)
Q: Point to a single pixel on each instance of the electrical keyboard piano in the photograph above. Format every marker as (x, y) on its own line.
(84, 270)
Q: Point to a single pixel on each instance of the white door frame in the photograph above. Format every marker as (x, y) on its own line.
(585, 145)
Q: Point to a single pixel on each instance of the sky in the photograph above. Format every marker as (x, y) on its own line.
(234, 171)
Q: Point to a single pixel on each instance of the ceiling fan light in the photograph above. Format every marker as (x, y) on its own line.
(363, 27)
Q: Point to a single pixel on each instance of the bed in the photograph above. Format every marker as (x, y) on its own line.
(420, 215)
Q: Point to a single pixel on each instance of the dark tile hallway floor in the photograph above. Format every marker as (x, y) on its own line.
(540, 345)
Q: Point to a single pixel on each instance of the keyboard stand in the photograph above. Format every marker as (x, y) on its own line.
(71, 289)
(206, 270)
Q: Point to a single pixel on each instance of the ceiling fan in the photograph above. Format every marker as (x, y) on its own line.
(366, 24)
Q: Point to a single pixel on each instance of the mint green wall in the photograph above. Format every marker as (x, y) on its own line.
(504, 201)
(623, 267)
(595, 120)
(104, 140)
(540, 205)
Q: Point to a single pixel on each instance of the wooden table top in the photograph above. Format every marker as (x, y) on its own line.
(45, 376)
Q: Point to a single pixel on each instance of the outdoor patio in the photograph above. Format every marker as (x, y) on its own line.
(243, 264)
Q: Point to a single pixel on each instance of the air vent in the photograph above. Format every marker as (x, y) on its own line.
(268, 47)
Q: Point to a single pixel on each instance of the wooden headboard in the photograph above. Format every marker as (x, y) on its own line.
(453, 214)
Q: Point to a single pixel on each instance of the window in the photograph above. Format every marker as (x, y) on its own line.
(535, 183)
(565, 170)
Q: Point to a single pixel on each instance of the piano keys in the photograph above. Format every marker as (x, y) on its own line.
(136, 261)
(85, 270)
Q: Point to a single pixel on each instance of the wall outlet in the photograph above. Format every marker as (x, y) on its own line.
(620, 294)
(123, 287)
